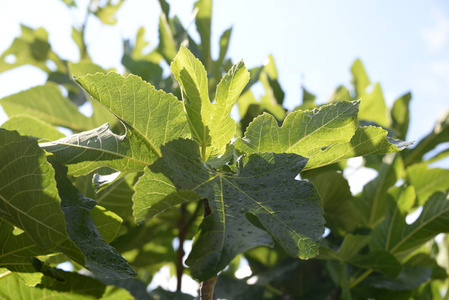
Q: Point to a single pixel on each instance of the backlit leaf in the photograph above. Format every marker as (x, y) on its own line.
(210, 123)
(151, 118)
(28, 195)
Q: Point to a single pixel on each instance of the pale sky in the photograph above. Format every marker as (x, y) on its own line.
(403, 44)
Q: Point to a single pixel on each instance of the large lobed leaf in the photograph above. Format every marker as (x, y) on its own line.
(263, 194)
(324, 135)
(151, 118)
(303, 132)
(210, 123)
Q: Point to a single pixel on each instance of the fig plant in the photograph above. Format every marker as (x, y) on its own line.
(161, 159)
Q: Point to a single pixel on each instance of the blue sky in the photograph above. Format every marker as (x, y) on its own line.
(403, 44)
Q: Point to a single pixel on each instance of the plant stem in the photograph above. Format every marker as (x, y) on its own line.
(359, 279)
(207, 289)
(180, 253)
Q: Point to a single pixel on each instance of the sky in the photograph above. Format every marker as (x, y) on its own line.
(404, 44)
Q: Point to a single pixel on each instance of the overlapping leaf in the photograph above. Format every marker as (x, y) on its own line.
(16, 253)
(151, 119)
(372, 202)
(427, 181)
(396, 236)
(101, 258)
(264, 191)
(31, 126)
(210, 123)
(439, 135)
(74, 287)
(28, 195)
(46, 103)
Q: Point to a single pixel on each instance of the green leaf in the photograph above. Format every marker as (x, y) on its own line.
(341, 93)
(269, 78)
(117, 196)
(401, 238)
(308, 100)
(440, 134)
(373, 107)
(372, 201)
(203, 25)
(427, 181)
(156, 193)
(74, 287)
(360, 79)
(151, 118)
(380, 261)
(410, 278)
(101, 258)
(400, 115)
(107, 13)
(28, 195)
(70, 3)
(340, 212)
(399, 202)
(34, 127)
(262, 194)
(83, 68)
(106, 222)
(47, 104)
(230, 288)
(167, 45)
(224, 46)
(211, 124)
(303, 132)
(367, 140)
(32, 48)
(16, 253)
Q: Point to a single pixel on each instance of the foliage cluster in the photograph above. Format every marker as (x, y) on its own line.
(161, 160)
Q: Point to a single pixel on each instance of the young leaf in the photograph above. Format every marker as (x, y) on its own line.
(151, 119)
(373, 107)
(28, 194)
(211, 124)
(263, 192)
(360, 79)
(203, 25)
(400, 115)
